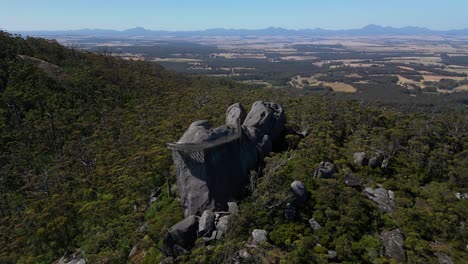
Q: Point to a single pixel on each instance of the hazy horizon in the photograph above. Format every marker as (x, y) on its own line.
(184, 15)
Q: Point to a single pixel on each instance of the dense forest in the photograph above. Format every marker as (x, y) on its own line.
(83, 147)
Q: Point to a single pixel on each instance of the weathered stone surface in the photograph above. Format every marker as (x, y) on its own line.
(443, 258)
(300, 191)
(206, 223)
(223, 224)
(314, 224)
(181, 236)
(352, 180)
(233, 208)
(325, 170)
(235, 115)
(385, 163)
(382, 198)
(259, 236)
(267, 117)
(212, 164)
(393, 244)
(360, 158)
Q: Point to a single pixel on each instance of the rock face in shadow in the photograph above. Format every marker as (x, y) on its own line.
(213, 164)
(181, 237)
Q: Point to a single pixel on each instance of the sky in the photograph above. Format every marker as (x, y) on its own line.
(16, 15)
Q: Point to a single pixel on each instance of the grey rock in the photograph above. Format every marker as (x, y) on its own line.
(360, 158)
(393, 244)
(376, 160)
(352, 180)
(332, 254)
(259, 236)
(325, 170)
(181, 236)
(290, 212)
(244, 253)
(314, 224)
(443, 258)
(235, 115)
(223, 224)
(300, 191)
(233, 208)
(382, 198)
(461, 196)
(385, 163)
(267, 117)
(206, 223)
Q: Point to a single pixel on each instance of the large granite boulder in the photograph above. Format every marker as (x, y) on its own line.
(235, 115)
(181, 237)
(325, 170)
(267, 117)
(223, 224)
(212, 165)
(393, 245)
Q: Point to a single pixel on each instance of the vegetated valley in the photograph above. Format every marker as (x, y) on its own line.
(86, 175)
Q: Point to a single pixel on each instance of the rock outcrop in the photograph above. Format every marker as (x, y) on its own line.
(181, 237)
(212, 164)
(393, 245)
(206, 223)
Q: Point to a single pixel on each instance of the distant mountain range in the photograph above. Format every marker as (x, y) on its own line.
(370, 30)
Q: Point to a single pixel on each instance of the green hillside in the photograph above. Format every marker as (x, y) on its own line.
(83, 145)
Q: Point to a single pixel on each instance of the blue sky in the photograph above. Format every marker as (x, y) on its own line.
(202, 14)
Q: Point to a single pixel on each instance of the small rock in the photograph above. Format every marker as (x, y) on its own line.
(332, 254)
(314, 224)
(216, 235)
(352, 180)
(168, 260)
(300, 191)
(443, 258)
(326, 170)
(223, 224)
(259, 236)
(233, 208)
(360, 158)
(393, 244)
(206, 223)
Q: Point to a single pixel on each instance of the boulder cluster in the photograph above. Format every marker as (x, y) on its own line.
(213, 164)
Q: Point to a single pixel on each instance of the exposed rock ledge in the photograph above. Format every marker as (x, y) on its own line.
(212, 164)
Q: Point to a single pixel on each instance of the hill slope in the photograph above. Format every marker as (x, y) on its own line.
(83, 147)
